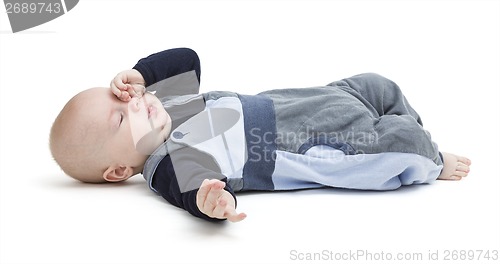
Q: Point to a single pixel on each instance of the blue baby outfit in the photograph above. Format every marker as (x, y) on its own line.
(357, 133)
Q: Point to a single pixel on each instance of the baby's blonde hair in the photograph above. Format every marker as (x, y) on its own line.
(75, 143)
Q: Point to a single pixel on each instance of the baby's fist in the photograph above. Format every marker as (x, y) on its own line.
(128, 84)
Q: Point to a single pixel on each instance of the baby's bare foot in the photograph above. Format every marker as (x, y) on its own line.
(455, 167)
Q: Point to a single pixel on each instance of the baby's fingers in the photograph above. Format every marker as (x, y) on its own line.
(120, 90)
(125, 96)
(118, 83)
(136, 89)
(230, 212)
(201, 195)
(236, 217)
(225, 211)
(207, 194)
(131, 91)
(219, 210)
(213, 196)
(115, 90)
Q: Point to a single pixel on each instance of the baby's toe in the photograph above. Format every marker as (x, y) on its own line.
(463, 167)
(460, 174)
(464, 160)
(450, 177)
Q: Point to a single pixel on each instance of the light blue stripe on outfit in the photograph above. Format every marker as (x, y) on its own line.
(325, 166)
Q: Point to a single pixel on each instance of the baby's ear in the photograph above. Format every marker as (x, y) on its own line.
(117, 173)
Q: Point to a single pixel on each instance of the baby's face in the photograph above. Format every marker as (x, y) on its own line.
(134, 129)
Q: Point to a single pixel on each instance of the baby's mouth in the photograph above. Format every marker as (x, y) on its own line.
(150, 108)
(151, 111)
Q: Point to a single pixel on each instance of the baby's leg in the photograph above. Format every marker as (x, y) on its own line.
(455, 167)
(382, 94)
(402, 133)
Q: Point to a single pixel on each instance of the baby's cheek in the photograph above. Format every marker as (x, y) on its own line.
(138, 129)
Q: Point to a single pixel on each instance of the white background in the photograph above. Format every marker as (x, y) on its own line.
(443, 54)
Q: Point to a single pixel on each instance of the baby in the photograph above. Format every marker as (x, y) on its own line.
(197, 150)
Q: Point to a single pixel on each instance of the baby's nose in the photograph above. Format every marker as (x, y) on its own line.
(133, 104)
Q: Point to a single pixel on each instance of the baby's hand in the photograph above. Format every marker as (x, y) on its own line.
(128, 84)
(216, 202)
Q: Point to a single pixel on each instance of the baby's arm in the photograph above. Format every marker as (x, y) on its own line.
(154, 68)
(168, 63)
(165, 182)
(215, 202)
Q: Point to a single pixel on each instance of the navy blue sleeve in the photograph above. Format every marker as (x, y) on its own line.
(165, 182)
(168, 63)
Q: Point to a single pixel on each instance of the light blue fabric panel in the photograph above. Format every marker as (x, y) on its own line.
(325, 166)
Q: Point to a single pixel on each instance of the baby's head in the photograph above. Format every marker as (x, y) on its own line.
(98, 138)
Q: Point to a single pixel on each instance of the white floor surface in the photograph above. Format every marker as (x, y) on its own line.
(445, 55)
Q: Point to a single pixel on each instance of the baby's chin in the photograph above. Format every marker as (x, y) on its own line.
(164, 122)
(162, 117)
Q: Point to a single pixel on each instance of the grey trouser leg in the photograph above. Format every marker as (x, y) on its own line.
(382, 94)
(398, 125)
